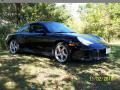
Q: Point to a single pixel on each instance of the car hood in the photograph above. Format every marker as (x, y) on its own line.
(89, 37)
(97, 43)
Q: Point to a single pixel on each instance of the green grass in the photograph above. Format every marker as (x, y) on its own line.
(31, 72)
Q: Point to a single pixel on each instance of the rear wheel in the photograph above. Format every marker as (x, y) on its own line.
(14, 47)
(62, 52)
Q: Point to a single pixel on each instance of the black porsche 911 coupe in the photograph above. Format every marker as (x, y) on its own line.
(58, 40)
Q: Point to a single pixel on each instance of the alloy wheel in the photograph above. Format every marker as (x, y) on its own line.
(61, 53)
(13, 47)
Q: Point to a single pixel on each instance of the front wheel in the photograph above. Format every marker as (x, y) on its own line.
(62, 52)
(14, 47)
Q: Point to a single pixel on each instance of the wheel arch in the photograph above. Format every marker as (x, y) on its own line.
(10, 38)
(67, 47)
(56, 42)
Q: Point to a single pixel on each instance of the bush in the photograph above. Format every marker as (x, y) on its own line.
(4, 31)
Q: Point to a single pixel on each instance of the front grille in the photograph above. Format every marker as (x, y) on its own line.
(94, 53)
(102, 53)
(98, 53)
(89, 54)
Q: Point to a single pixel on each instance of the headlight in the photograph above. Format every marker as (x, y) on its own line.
(84, 41)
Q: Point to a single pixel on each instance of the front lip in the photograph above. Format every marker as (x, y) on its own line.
(88, 54)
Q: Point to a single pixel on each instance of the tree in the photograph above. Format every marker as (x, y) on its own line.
(102, 20)
(18, 14)
(43, 12)
(30, 12)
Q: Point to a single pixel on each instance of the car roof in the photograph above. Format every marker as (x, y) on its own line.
(43, 22)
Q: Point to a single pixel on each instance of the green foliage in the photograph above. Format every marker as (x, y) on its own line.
(21, 13)
(4, 31)
(25, 13)
(102, 20)
(44, 12)
(74, 25)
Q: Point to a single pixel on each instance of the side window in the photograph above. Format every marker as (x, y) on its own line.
(38, 28)
(25, 29)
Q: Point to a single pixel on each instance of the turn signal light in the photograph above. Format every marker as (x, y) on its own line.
(72, 44)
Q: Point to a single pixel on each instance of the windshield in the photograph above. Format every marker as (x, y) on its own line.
(57, 27)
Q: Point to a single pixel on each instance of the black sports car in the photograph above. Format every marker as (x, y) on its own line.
(56, 39)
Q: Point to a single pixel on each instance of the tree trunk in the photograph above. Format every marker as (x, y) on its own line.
(18, 10)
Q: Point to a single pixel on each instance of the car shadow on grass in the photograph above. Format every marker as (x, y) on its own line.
(85, 70)
(11, 76)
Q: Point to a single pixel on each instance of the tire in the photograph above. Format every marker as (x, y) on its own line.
(62, 52)
(14, 47)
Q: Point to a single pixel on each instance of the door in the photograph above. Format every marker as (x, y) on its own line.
(38, 37)
(23, 34)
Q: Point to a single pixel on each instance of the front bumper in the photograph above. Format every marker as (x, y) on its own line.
(89, 54)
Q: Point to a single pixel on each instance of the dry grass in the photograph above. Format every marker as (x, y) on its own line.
(31, 72)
